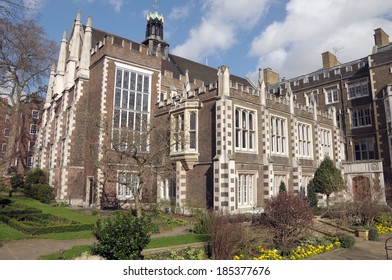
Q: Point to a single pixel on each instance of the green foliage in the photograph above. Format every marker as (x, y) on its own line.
(384, 218)
(122, 236)
(35, 176)
(312, 196)
(17, 182)
(202, 223)
(282, 187)
(347, 241)
(187, 254)
(373, 234)
(42, 192)
(328, 179)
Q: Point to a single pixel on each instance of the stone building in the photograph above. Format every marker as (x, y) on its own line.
(232, 142)
(360, 91)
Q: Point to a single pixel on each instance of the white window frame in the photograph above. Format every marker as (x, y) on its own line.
(31, 146)
(245, 129)
(7, 118)
(326, 143)
(192, 131)
(278, 178)
(123, 114)
(305, 143)
(29, 162)
(33, 129)
(4, 147)
(278, 135)
(331, 95)
(361, 117)
(35, 114)
(246, 189)
(358, 90)
(122, 190)
(6, 132)
(178, 132)
(366, 147)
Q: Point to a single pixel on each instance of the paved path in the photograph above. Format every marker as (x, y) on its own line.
(362, 250)
(32, 249)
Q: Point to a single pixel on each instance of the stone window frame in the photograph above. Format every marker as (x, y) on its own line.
(305, 143)
(29, 162)
(326, 142)
(364, 147)
(246, 197)
(358, 89)
(123, 114)
(279, 140)
(333, 92)
(278, 177)
(33, 129)
(123, 192)
(35, 114)
(245, 130)
(361, 117)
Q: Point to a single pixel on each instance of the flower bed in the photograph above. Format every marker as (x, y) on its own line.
(299, 253)
(383, 228)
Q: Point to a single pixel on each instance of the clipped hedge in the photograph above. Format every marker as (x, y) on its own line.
(16, 210)
(45, 223)
(42, 192)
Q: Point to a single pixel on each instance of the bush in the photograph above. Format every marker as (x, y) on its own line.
(373, 234)
(288, 215)
(347, 241)
(17, 182)
(42, 192)
(122, 236)
(312, 196)
(35, 176)
(226, 237)
(202, 224)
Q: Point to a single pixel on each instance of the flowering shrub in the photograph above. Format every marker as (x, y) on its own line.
(300, 253)
(383, 229)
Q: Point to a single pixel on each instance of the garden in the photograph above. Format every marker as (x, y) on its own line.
(290, 227)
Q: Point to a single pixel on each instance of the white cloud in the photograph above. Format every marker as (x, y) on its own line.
(117, 4)
(294, 45)
(220, 26)
(181, 12)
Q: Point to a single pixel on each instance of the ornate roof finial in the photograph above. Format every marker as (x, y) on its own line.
(155, 5)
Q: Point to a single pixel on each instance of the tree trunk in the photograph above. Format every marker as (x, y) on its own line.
(13, 139)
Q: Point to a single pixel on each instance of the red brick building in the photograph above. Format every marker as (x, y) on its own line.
(232, 142)
(22, 159)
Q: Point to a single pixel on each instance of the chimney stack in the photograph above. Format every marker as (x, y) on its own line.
(380, 38)
(270, 77)
(329, 60)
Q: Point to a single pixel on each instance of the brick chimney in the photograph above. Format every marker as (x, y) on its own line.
(270, 77)
(329, 60)
(380, 38)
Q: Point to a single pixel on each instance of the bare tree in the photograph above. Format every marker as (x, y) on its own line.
(12, 9)
(26, 55)
(132, 158)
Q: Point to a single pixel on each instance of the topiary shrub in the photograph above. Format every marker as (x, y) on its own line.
(312, 196)
(35, 176)
(347, 241)
(373, 234)
(122, 236)
(42, 192)
(17, 182)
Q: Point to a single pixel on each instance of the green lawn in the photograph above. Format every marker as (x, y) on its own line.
(8, 233)
(158, 242)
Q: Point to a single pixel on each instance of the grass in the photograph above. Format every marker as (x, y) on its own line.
(158, 242)
(190, 238)
(8, 233)
(70, 254)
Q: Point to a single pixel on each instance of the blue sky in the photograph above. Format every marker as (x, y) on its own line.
(285, 35)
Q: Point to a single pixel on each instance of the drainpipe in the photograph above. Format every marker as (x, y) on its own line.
(343, 118)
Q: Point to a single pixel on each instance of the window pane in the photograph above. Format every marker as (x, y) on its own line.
(139, 82)
(146, 86)
(145, 102)
(125, 99)
(126, 79)
(133, 81)
(192, 121)
(117, 98)
(139, 102)
(119, 78)
(132, 97)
